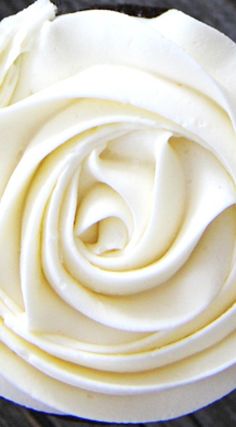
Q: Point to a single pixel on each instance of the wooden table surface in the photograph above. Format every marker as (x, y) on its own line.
(222, 15)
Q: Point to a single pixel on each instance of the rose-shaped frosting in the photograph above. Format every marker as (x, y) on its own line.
(117, 213)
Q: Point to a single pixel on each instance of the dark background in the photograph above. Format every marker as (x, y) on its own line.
(220, 14)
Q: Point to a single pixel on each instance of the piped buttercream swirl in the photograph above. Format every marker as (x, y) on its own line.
(117, 212)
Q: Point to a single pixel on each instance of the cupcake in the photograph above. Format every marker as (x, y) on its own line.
(117, 213)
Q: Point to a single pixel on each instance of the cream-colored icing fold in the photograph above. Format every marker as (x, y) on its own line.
(117, 213)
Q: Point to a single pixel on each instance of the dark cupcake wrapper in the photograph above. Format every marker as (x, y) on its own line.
(127, 8)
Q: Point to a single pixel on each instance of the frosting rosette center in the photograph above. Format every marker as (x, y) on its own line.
(117, 212)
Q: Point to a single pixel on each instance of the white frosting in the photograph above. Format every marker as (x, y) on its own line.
(117, 213)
